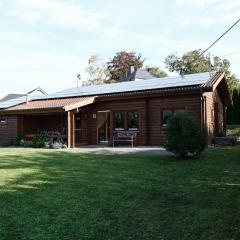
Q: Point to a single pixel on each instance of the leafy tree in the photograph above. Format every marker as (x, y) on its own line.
(97, 72)
(195, 62)
(184, 135)
(119, 66)
(156, 71)
(233, 111)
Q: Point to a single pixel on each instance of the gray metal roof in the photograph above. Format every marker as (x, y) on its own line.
(94, 90)
(10, 96)
(143, 74)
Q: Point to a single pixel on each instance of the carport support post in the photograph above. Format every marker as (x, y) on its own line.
(70, 129)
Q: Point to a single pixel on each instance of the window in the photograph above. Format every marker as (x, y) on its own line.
(132, 121)
(3, 120)
(180, 110)
(167, 113)
(119, 120)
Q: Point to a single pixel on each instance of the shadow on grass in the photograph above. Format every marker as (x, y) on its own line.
(60, 195)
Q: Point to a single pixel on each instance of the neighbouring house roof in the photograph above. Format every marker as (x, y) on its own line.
(143, 74)
(64, 104)
(140, 73)
(11, 96)
(38, 89)
(60, 99)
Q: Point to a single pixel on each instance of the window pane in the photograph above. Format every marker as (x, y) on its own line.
(166, 115)
(3, 120)
(119, 120)
(132, 120)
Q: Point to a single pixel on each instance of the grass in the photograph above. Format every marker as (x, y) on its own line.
(233, 130)
(60, 195)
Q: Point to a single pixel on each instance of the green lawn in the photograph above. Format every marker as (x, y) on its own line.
(233, 130)
(60, 195)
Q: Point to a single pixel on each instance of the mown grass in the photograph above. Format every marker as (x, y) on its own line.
(60, 195)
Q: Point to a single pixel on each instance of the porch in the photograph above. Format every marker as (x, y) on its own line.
(77, 128)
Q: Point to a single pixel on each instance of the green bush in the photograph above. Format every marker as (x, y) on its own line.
(20, 139)
(184, 136)
(39, 141)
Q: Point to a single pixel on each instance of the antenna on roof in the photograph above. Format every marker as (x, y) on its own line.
(211, 62)
(78, 79)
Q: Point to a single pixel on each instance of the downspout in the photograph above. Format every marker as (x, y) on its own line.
(202, 109)
(203, 114)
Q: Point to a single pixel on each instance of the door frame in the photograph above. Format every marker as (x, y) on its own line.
(108, 127)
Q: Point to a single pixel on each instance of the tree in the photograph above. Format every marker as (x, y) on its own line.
(184, 135)
(119, 66)
(97, 72)
(233, 111)
(156, 71)
(195, 62)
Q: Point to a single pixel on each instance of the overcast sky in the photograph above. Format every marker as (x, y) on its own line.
(47, 42)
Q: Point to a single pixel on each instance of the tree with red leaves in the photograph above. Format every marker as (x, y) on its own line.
(120, 65)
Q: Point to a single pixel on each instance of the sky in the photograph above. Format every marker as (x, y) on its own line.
(45, 43)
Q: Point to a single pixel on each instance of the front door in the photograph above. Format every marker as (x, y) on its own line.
(103, 127)
(81, 137)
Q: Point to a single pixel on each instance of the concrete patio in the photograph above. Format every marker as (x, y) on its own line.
(105, 150)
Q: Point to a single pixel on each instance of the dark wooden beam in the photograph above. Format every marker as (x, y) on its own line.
(71, 129)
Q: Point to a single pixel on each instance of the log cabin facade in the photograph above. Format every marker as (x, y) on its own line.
(92, 115)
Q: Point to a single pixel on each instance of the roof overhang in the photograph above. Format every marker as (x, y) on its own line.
(218, 81)
(80, 104)
(31, 107)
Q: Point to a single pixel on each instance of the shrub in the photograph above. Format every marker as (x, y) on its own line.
(28, 144)
(39, 141)
(57, 145)
(7, 143)
(184, 136)
(20, 139)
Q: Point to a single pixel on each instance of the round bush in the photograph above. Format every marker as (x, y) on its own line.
(184, 136)
(39, 141)
(20, 139)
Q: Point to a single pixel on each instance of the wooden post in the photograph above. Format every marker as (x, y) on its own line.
(70, 129)
(73, 129)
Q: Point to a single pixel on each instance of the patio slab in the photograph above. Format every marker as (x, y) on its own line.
(104, 150)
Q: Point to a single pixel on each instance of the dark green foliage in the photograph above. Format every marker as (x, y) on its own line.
(20, 139)
(6, 143)
(39, 141)
(184, 136)
(233, 111)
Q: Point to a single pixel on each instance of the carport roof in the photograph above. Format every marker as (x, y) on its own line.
(64, 104)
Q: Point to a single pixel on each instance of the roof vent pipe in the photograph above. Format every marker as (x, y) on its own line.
(132, 69)
(27, 99)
